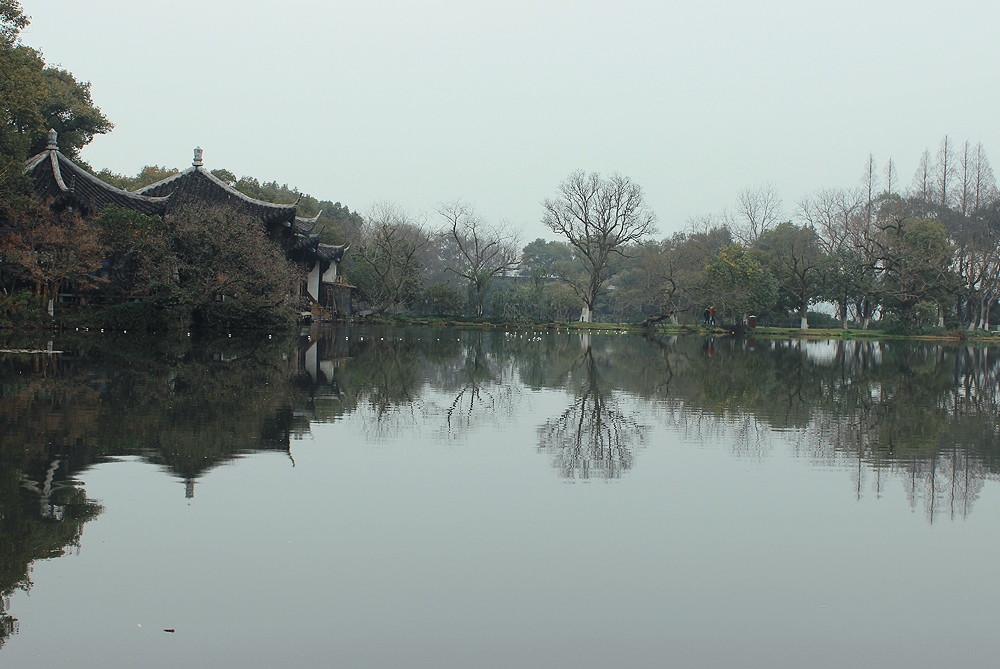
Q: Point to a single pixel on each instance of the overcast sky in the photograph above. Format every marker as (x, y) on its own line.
(420, 102)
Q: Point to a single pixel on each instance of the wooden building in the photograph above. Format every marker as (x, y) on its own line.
(67, 185)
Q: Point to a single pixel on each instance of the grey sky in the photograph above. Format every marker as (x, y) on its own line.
(423, 102)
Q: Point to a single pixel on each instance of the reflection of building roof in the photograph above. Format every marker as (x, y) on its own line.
(196, 185)
(56, 176)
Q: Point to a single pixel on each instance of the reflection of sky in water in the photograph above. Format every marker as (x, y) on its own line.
(436, 533)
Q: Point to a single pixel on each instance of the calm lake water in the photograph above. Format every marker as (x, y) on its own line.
(367, 497)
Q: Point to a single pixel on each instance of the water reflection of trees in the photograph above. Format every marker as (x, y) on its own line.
(593, 436)
(923, 413)
(402, 381)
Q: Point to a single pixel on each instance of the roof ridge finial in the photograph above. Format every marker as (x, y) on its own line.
(53, 144)
(197, 156)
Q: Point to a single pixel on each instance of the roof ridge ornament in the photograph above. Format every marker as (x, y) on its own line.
(198, 152)
(53, 144)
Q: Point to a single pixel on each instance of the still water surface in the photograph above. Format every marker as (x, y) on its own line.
(440, 498)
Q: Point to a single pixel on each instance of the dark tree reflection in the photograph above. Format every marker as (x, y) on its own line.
(593, 436)
(479, 381)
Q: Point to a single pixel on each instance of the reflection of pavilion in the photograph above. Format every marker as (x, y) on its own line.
(40, 518)
(322, 351)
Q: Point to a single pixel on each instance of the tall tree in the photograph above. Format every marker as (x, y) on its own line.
(12, 21)
(915, 260)
(35, 97)
(923, 178)
(869, 186)
(600, 218)
(891, 176)
(984, 184)
(834, 215)
(944, 172)
(796, 261)
(486, 250)
(965, 172)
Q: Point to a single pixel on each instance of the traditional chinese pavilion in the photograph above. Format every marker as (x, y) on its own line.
(66, 184)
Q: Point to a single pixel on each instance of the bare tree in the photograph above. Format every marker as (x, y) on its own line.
(387, 259)
(485, 250)
(944, 171)
(891, 176)
(965, 178)
(984, 184)
(758, 209)
(599, 218)
(869, 186)
(830, 213)
(923, 185)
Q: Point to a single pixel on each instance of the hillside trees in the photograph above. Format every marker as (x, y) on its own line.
(33, 98)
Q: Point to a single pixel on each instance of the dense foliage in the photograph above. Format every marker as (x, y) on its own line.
(35, 97)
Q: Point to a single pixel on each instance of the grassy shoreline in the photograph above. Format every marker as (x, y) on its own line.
(700, 330)
(70, 320)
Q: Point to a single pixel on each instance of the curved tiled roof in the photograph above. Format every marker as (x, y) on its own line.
(56, 176)
(332, 253)
(196, 185)
(298, 242)
(307, 225)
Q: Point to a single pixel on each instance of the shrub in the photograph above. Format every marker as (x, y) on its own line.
(21, 306)
(443, 299)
